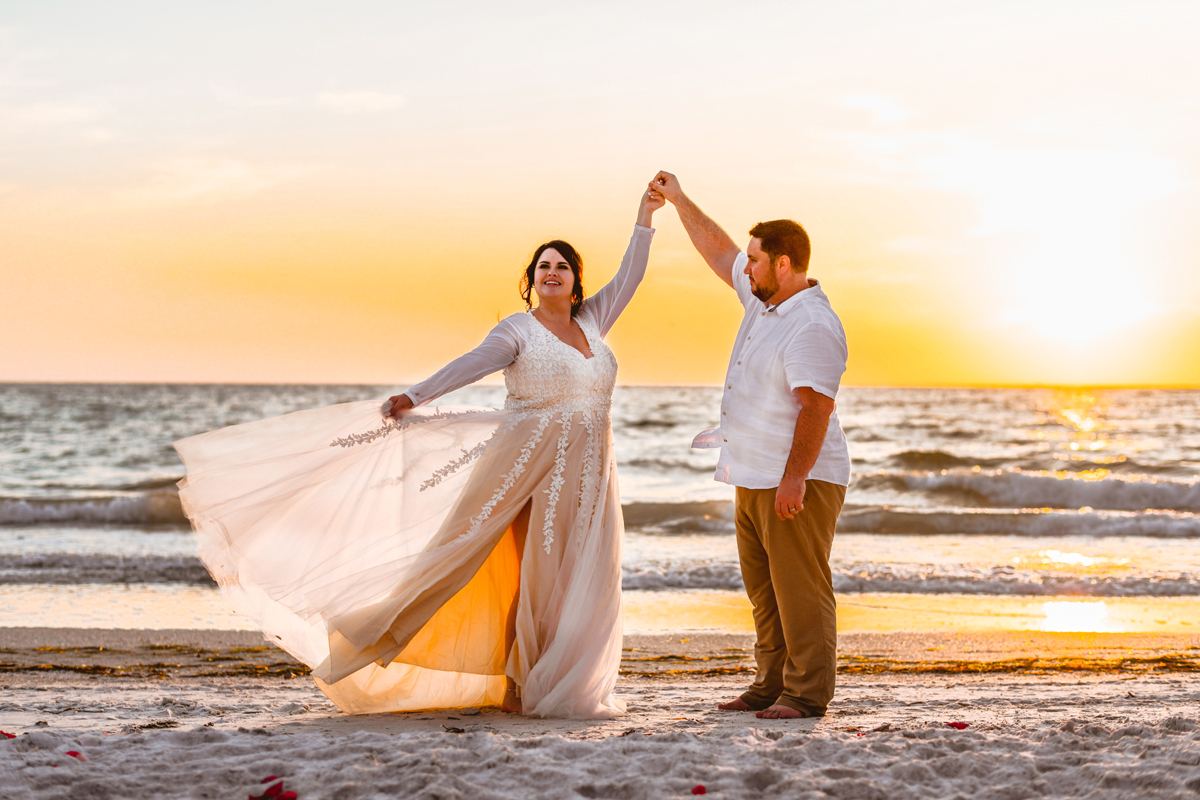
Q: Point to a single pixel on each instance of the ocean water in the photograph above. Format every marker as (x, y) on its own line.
(1038, 493)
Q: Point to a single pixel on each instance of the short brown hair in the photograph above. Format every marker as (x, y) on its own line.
(784, 237)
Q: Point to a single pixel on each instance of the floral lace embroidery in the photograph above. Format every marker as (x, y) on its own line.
(454, 466)
(589, 494)
(468, 456)
(589, 462)
(552, 376)
(510, 478)
(556, 482)
(391, 425)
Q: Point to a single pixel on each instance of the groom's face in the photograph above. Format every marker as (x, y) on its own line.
(764, 283)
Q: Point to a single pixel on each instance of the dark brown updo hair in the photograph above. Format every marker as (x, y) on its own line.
(573, 259)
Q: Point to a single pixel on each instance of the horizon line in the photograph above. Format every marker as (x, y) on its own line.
(1056, 386)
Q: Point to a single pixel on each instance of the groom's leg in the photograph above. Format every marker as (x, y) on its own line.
(770, 648)
(799, 552)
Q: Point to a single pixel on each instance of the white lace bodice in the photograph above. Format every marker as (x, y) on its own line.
(586, 383)
(550, 375)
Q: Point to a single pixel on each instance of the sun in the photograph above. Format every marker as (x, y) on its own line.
(1070, 256)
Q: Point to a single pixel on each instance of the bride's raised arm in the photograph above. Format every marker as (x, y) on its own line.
(608, 303)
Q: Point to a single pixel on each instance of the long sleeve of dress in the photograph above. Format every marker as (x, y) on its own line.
(608, 303)
(499, 349)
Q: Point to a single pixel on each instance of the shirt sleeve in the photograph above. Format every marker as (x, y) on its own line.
(741, 281)
(816, 358)
(499, 349)
(608, 303)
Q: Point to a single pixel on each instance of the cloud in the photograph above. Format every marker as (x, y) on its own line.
(362, 102)
(199, 181)
(885, 110)
(234, 97)
(47, 114)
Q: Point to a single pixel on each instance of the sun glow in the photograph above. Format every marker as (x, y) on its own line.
(1072, 616)
(998, 193)
(1084, 415)
(1079, 559)
(1058, 559)
(1064, 216)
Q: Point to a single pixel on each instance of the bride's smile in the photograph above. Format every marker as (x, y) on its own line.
(553, 276)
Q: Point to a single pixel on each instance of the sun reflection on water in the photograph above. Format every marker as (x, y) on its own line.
(1057, 559)
(1084, 415)
(1066, 615)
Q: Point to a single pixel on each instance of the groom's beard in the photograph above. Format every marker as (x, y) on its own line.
(766, 290)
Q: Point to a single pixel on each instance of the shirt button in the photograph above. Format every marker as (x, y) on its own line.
(763, 314)
(739, 362)
(730, 387)
(723, 413)
(724, 440)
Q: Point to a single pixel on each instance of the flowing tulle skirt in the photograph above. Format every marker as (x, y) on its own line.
(427, 563)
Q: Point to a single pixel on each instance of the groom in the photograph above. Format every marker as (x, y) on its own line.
(783, 448)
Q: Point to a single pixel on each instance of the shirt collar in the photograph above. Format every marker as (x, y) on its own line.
(793, 302)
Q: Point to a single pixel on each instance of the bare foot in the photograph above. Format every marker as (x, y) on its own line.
(780, 712)
(511, 702)
(734, 705)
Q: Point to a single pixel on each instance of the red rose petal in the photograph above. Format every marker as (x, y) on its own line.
(962, 726)
(74, 754)
(8, 735)
(699, 790)
(275, 791)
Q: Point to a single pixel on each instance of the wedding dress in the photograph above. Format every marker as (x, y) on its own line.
(423, 563)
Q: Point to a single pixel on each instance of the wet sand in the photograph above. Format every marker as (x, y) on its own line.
(187, 654)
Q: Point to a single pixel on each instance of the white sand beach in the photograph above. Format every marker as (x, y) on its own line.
(211, 713)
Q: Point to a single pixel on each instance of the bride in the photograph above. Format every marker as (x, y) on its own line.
(444, 557)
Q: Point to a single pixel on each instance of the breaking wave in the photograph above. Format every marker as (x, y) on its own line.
(1028, 522)
(930, 580)
(709, 516)
(154, 507)
(1015, 489)
(73, 568)
(63, 568)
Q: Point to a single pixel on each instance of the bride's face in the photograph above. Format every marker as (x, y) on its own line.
(552, 277)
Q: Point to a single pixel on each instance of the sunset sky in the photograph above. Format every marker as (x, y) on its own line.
(998, 192)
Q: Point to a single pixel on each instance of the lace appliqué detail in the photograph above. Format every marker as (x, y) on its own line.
(392, 425)
(454, 466)
(510, 477)
(468, 456)
(589, 494)
(556, 482)
(550, 375)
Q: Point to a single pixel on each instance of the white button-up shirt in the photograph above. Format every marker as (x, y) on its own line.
(798, 343)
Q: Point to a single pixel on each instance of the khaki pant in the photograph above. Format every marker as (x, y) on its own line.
(785, 566)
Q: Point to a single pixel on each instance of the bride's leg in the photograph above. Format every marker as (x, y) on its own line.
(512, 695)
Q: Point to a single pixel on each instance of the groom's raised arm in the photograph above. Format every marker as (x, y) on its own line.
(710, 239)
